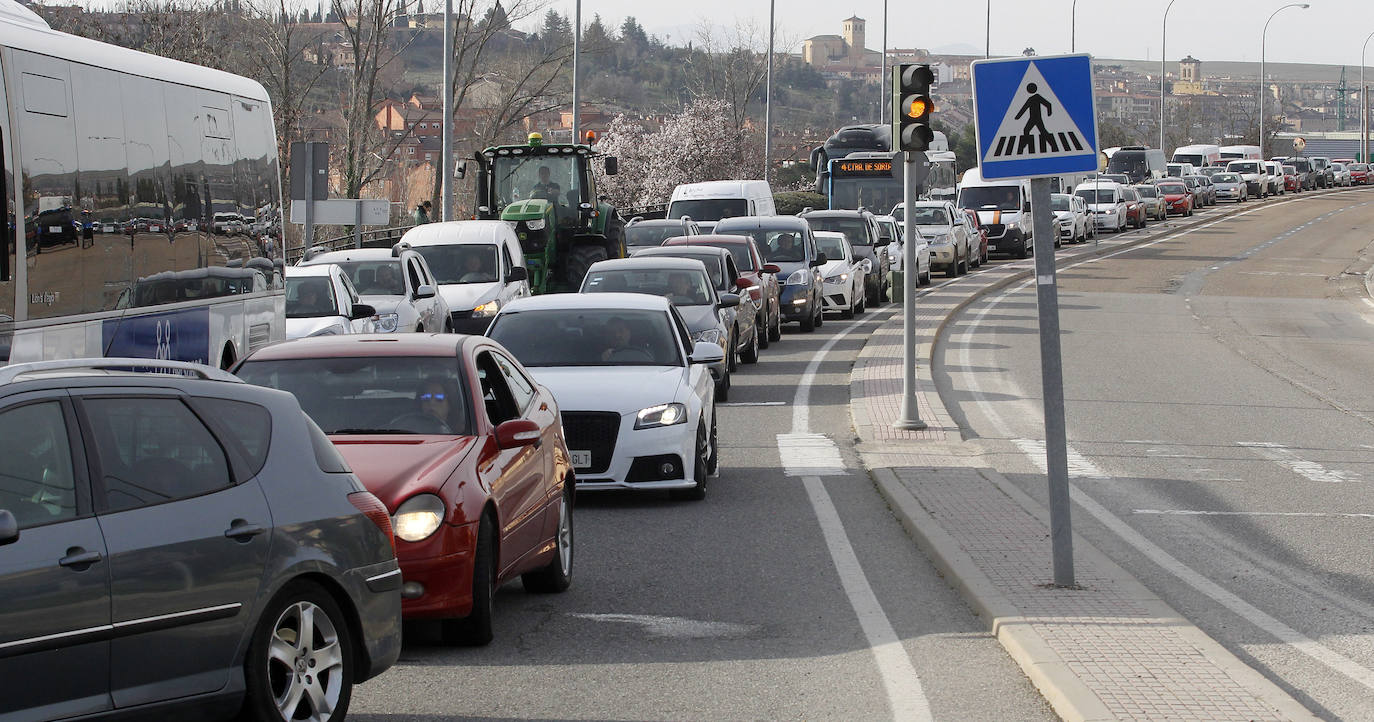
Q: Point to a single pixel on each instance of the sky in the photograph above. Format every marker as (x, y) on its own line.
(1329, 32)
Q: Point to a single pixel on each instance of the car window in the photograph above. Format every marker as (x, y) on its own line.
(506, 264)
(520, 387)
(587, 337)
(500, 403)
(856, 230)
(37, 482)
(682, 287)
(831, 246)
(731, 273)
(240, 423)
(348, 287)
(744, 260)
(310, 297)
(415, 280)
(152, 450)
(462, 262)
(375, 278)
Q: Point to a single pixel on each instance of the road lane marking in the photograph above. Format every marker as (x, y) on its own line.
(905, 695)
(810, 455)
(1079, 465)
(751, 403)
(676, 627)
(1199, 512)
(1288, 458)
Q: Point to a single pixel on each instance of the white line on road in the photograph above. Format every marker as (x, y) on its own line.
(751, 403)
(1079, 466)
(905, 695)
(1196, 512)
(675, 627)
(1298, 465)
(810, 455)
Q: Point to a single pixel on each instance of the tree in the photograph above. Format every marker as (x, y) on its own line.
(556, 31)
(725, 65)
(364, 148)
(276, 57)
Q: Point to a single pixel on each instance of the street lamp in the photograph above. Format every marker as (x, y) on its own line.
(987, 53)
(1163, 58)
(577, 54)
(1264, 37)
(882, 82)
(1364, 107)
(1073, 27)
(768, 105)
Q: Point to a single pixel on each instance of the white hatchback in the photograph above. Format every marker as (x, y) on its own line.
(396, 282)
(637, 399)
(843, 288)
(321, 301)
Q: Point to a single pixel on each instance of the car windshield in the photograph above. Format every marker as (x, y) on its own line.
(1005, 198)
(743, 258)
(1244, 167)
(682, 287)
(310, 297)
(1290, 170)
(588, 337)
(1303, 166)
(371, 394)
(709, 209)
(376, 278)
(1060, 202)
(1191, 182)
(1177, 189)
(928, 216)
(641, 235)
(855, 230)
(1097, 195)
(462, 262)
(710, 260)
(1226, 178)
(547, 177)
(1147, 191)
(831, 246)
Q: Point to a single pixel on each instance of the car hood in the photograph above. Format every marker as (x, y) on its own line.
(1171, 197)
(997, 216)
(622, 389)
(467, 296)
(934, 230)
(302, 327)
(699, 318)
(394, 467)
(832, 267)
(383, 304)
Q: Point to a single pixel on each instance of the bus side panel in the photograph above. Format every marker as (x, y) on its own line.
(10, 239)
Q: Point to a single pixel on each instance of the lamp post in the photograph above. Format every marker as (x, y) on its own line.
(1073, 27)
(987, 52)
(446, 150)
(768, 105)
(1163, 58)
(1364, 107)
(1264, 37)
(882, 83)
(577, 54)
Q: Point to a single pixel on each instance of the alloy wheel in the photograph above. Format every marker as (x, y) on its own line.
(305, 663)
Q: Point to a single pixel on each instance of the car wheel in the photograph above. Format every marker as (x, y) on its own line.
(751, 354)
(557, 576)
(863, 306)
(723, 386)
(820, 315)
(475, 630)
(848, 312)
(699, 469)
(731, 352)
(300, 659)
(762, 330)
(808, 324)
(1025, 248)
(775, 333)
(713, 459)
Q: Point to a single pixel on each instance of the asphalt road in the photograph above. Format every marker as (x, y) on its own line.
(1221, 428)
(742, 606)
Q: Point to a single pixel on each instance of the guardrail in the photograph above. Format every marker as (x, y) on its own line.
(379, 238)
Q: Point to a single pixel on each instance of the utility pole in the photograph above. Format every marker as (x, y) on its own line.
(768, 105)
(577, 55)
(446, 153)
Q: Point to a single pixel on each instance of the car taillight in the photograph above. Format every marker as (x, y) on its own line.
(373, 508)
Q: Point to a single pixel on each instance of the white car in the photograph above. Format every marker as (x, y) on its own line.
(1105, 202)
(897, 250)
(478, 265)
(1254, 174)
(843, 278)
(940, 224)
(637, 399)
(1342, 173)
(1072, 217)
(396, 282)
(321, 301)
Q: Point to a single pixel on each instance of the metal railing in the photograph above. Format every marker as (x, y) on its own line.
(379, 238)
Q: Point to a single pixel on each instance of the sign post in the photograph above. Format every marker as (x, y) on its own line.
(1036, 118)
(914, 171)
(309, 181)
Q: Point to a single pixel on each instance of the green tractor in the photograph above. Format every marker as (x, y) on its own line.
(548, 194)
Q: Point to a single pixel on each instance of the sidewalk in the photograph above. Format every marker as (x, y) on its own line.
(1111, 650)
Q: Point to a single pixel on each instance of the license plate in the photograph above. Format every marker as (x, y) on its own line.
(581, 459)
(54, 229)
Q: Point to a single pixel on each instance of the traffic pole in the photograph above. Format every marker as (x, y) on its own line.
(1052, 381)
(913, 172)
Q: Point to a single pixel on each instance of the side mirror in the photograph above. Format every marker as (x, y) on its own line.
(517, 274)
(362, 310)
(819, 260)
(425, 291)
(517, 433)
(706, 353)
(729, 300)
(612, 165)
(743, 284)
(460, 170)
(771, 268)
(883, 241)
(9, 526)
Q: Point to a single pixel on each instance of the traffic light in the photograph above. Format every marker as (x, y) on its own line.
(912, 108)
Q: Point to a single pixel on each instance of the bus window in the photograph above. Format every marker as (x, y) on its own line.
(105, 268)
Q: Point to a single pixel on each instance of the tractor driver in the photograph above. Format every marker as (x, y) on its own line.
(546, 188)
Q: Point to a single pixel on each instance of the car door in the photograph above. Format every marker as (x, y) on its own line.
(54, 576)
(511, 246)
(535, 403)
(348, 297)
(515, 476)
(188, 538)
(433, 311)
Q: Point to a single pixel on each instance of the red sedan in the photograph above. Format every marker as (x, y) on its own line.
(1359, 174)
(982, 236)
(1290, 179)
(462, 445)
(1178, 199)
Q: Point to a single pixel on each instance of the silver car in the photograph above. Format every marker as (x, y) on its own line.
(218, 553)
(942, 226)
(396, 282)
(1231, 187)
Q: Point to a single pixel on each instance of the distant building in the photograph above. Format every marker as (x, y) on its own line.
(844, 55)
(1189, 77)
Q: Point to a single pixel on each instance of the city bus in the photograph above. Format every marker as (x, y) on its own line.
(865, 179)
(117, 164)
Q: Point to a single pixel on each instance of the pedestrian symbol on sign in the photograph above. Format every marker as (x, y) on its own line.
(1032, 128)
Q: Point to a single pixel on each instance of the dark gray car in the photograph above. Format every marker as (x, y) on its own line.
(169, 540)
(860, 228)
(787, 242)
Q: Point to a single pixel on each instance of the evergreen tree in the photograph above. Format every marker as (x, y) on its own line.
(496, 17)
(557, 30)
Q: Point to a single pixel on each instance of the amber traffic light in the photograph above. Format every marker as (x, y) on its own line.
(913, 107)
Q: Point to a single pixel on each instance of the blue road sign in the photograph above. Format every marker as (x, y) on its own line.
(1035, 116)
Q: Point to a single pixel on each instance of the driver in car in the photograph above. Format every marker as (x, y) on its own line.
(473, 271)
(787, 249)
(680, 289)
(437, 402)
(618, 338)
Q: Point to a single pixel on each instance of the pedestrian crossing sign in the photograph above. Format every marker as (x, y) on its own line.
(1035, 116)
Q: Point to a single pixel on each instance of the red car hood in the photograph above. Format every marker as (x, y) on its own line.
(1172, 197)
(395, 467)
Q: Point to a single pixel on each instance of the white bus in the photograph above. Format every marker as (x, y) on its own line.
(115, 165)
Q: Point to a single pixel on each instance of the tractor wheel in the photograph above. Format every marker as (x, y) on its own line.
(580, 259)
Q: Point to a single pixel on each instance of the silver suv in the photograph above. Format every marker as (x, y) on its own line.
(168, 539)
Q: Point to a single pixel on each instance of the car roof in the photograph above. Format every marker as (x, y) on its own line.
(839, 213)
(350, 345)
(353, 254)
(659, 222)
(590, 301)
(672, 263)
(454, 232)
(763, 223)
(678, 248)
(723, 238)
(312, 270)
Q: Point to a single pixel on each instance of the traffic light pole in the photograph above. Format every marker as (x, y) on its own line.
(1052, 381)
(914, 170)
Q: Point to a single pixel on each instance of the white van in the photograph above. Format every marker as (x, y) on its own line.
(1178, 170)
(1004, 210)
(709, 202)
(1200, 156)
(1239, 152)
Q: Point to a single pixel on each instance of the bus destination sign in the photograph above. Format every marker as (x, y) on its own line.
(865, 167)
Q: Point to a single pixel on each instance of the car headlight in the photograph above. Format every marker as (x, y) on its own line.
(487, 309)
(661, 415)
(839, 278)
(535, 225)
(799, 277)
(710, 335)
(418, 518)
(385, 322)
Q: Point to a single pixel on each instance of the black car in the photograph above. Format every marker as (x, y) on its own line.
(786, 242)
(860, 228)
(640, 233)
